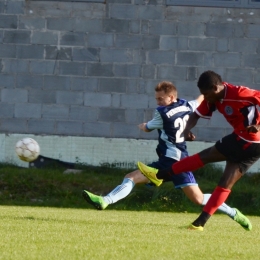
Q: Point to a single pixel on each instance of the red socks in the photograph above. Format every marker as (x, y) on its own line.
(190, 163)
(218, 197)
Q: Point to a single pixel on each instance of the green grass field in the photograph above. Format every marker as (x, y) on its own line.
(44, 217)
(57, 233)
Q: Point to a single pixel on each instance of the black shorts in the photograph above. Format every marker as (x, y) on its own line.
(239, 151)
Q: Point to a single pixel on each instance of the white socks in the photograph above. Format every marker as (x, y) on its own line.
(120, 192)
(231, 212)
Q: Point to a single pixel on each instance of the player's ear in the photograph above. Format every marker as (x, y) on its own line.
(173, 98)
(215, 88)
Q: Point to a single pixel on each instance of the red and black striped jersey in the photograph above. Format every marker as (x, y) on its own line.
(239, 107)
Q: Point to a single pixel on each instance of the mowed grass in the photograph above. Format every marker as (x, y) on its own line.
(69, 233)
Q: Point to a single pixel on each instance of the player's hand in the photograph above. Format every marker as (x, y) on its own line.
(143, 127)
(253, 128)
(190, 137)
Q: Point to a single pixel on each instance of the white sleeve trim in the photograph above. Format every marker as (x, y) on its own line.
(199, 114)
(194, 104)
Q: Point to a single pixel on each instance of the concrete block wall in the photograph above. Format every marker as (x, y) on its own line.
(90, 68)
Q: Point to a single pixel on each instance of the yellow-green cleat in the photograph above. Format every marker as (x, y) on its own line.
(150, 173)
(96, 201)
(192, 227)
(243, 220)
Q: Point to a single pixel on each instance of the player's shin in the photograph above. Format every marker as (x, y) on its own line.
(120, 192)
(190, 163)
(218, 197)
(187, 164)
(231, 212)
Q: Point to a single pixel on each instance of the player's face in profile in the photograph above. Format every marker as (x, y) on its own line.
(211, 95)
(163, 99)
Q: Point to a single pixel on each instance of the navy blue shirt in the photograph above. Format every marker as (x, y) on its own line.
(170, 122)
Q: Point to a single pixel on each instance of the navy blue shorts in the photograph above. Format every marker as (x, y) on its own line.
(179, 180)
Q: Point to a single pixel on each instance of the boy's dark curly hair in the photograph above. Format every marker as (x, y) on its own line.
(208, 79)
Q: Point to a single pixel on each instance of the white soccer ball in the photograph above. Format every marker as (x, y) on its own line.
(27, 149)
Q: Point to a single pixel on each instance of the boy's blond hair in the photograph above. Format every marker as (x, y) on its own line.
(167, 87)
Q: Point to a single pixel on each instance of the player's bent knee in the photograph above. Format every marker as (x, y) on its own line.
(197, 200)
(130, 175)
(137, 177)
(194, 194)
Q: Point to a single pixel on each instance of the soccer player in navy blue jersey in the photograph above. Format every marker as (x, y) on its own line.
(240, 149)
(169, 120)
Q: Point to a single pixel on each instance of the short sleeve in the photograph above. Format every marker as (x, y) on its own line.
(194, 104)
(156, 122)
(203, 110)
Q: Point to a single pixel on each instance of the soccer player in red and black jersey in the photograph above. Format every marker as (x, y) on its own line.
(240, 149)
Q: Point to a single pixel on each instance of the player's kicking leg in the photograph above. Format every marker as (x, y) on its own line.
(233, 213)
(120, 192)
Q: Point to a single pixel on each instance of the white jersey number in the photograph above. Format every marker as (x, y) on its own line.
(180, 123)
